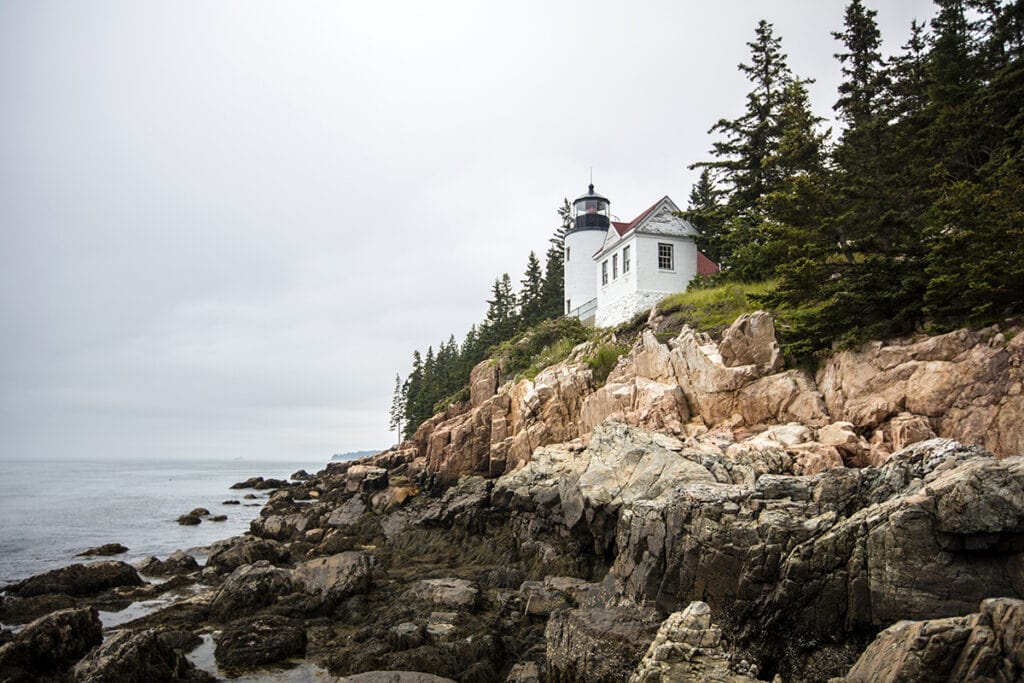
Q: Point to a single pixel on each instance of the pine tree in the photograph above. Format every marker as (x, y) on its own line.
(531, 304)
(746, 161)
(553, 288)
(412, 390)
(501, 320)
(751, 139)
(707, 214)
(397, 413)
(975, 227)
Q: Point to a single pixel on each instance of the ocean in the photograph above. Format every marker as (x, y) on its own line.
(52, 510)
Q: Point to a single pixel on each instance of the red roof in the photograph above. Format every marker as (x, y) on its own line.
(706, 266)
(623, 228)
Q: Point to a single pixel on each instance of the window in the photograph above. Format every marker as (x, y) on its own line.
(568, 306)
(604, 272)
(615, 266)
(664, 256)
(567, 253)
(625, 260)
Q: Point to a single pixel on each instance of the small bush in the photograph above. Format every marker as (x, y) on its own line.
(544, 344)
(604, 359)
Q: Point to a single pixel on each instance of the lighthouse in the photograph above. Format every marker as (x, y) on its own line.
(586, 237)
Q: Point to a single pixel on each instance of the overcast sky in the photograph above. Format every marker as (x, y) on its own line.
(224, 226)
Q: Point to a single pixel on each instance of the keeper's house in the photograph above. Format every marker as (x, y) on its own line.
(614, 270)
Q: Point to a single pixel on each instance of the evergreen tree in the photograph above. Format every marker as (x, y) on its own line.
(413, 386)
(746, 160)
(397, 412)
(975, 227)
(553, 287)
(531, 303)
(708, 215)
(751, 139)
(501, 320)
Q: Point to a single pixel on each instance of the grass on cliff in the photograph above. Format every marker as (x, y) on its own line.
(544, 344)
(604, 358)
(712, 309)
(708, 309)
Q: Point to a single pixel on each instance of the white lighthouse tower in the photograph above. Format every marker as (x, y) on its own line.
(582, 241)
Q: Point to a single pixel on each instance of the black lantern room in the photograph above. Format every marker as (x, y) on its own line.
(591, 211)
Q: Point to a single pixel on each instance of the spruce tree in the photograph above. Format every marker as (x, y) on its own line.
(748, 141)
(531, 303)
(412, 390)
(553, 287)
(745, 158)
(397, 412)
(707, 214)
(975, 227)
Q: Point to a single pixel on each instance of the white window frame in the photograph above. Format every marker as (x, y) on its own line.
(615, 266)
(604, 273)
(666, 251)
(625, 260)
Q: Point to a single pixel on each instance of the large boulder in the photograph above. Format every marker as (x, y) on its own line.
(449, 592)
(250, 588)
(105, 549)
(926, 536)
(598, 645)
(336, 577)
(966, 383)
(986, 646)
(176, 564)
(78, 579)
(127, 657)
(50, 644)
(750, 340)
(688, 647)
(254, 641)
(230, 555)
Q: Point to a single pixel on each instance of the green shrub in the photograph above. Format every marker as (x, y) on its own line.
(604, 359)
(544, 344)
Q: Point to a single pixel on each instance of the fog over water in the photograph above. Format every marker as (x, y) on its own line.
(225, 226)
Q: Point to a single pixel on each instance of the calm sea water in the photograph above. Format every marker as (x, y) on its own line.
(50, 511)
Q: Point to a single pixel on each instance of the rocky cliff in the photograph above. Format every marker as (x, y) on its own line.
(704, 514)
(859, 408)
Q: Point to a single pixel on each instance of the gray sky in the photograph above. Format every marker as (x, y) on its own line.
(224, 226)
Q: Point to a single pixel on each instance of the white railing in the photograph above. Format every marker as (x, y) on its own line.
(586, 311)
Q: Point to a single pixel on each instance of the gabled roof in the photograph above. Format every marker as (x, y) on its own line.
(645, 223)
(623, 228)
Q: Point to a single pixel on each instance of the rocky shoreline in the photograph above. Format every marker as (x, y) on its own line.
(703, 515)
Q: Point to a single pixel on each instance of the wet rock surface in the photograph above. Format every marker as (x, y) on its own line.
(78, 579)
(50, 644)
(177, 563)
(126, 656)
(600, 644)
(260, 640)
(104, 550)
